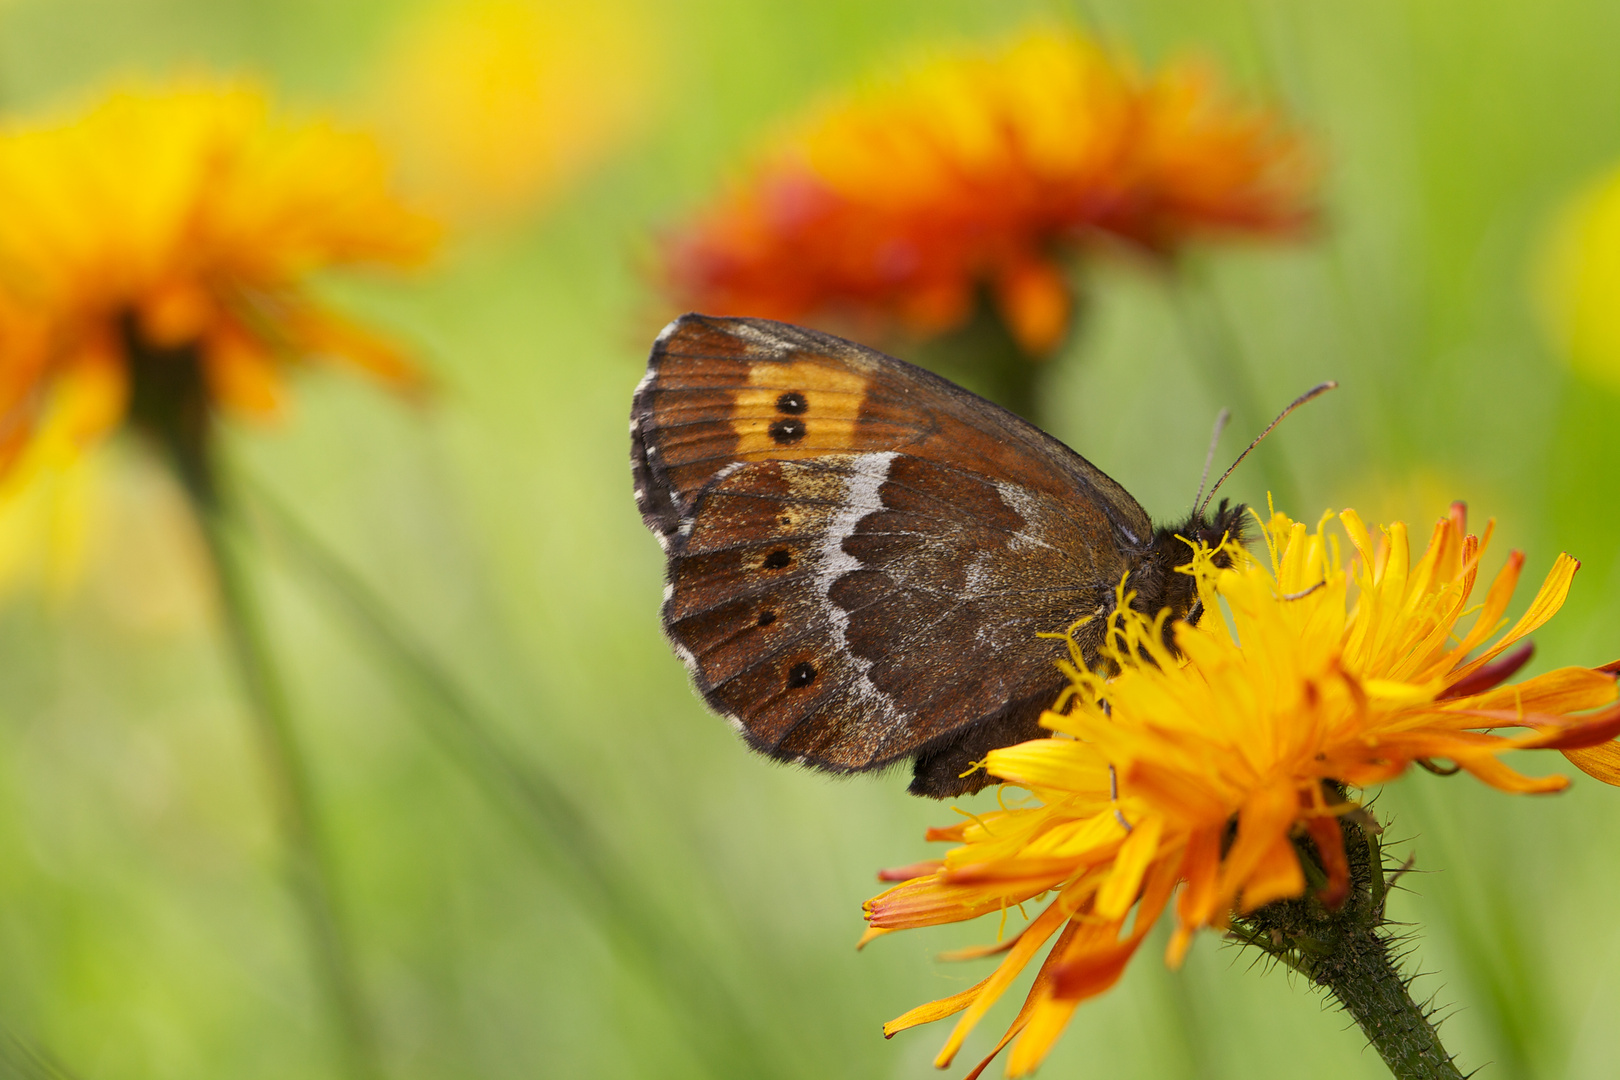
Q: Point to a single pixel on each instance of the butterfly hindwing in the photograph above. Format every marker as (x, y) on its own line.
(851, 610)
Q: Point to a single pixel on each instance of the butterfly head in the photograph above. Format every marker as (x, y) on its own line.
(1159, 584)
(1214, 531)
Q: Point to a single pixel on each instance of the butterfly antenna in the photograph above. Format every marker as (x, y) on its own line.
(1310, 395)
(1209, 458)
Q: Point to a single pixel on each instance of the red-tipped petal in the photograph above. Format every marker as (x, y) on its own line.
(1584, 732)
(1493, 674)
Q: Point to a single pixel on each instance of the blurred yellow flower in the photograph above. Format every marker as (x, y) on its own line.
(170, 234)
(1411, 490)
(982, 170)
(184, 218)
(496, 104)
(1580, 280)
(1319, 675)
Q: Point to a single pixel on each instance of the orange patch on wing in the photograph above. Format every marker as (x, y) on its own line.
(832, 399)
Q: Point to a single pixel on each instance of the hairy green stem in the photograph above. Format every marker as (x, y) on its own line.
(1347, 952)
(1363, 978)
(169, 402)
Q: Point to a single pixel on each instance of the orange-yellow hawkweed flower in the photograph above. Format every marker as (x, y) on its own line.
(1319, 672)
(982, 170)
(182, 218)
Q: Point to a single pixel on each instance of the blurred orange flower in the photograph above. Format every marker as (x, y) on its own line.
(187, 218)
(983, 171)
(1200, 770)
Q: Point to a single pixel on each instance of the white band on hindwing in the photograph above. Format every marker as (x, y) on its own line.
(861, 498)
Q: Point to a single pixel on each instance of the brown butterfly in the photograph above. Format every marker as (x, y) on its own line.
(861, 553)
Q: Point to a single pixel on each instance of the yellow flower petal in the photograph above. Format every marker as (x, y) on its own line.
(1033, 937)
(1141, 847)
(1601, 761)
(1566, 690)
(1051, 763)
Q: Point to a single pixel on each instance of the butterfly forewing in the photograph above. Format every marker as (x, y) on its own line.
(719, 391)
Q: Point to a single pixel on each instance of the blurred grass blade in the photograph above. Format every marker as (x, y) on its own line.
(1493, 951)
(1216, 353)
(310, 863)
(556, 829)
(22, 1060)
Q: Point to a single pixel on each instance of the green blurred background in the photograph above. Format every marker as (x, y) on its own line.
(144, 927)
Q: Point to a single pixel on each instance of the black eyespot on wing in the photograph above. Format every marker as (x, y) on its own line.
(792, 402)
(787, 431)
(766, 618)
(778, 559)
(801, 674)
